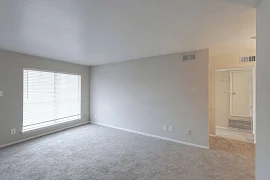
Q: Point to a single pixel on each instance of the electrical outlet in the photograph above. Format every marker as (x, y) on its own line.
(164, 128)
(189, 132)
(84, 116)
(170, 128)
(13, 131)
(1, 93)
(95, 116)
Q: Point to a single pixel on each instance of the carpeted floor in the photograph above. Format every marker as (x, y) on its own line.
(94, 152)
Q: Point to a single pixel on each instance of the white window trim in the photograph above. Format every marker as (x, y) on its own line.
(51, 123)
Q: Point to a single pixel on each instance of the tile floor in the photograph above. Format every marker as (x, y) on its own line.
(235, 134)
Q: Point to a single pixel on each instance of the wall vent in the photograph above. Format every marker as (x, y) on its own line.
(189, 57)
(241, 124)
(248, 59)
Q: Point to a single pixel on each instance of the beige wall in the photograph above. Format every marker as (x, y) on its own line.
(222, 102)
(222, 62)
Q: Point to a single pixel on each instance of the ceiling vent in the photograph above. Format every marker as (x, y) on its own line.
(248, 59)
(189, 57)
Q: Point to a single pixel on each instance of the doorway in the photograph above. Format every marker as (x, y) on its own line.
(235, 103)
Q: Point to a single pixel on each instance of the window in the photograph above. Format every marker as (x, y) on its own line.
(50, 98)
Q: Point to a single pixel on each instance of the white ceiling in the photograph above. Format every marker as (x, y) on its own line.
(93, 32)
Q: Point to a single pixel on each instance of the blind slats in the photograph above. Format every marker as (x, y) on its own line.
(50, 97)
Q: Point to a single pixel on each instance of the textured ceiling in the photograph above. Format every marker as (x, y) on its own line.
(93, 32)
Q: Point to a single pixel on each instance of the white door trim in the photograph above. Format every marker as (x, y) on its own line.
(251, 104)
(253, 94)
(236, 69)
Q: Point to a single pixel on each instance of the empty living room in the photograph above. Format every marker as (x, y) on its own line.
(134, 89)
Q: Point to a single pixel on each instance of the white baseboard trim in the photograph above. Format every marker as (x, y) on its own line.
(212, 135)
(219, 127)
(150, 135)
(43, 134)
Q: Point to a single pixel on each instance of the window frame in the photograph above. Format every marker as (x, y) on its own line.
(56, 121)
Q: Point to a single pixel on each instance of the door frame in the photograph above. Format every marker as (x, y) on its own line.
(253, 92)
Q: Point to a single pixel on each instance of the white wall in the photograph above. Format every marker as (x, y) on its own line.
(263, 89)
(11, 83)
(142, 95)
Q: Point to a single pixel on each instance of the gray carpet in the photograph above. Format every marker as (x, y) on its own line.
(95, 152)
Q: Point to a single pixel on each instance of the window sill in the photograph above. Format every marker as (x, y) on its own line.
(45, 126)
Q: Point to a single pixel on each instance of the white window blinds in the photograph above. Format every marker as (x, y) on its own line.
(50, 98)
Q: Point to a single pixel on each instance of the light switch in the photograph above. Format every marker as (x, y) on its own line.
(164, 128)
(170, 128)
(1, 93)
